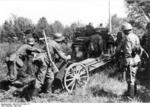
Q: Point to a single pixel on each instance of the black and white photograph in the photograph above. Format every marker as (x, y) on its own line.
(74, 51)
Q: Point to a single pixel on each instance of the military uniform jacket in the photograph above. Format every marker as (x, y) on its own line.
(130, 45)
(22, 51)
(54, 49)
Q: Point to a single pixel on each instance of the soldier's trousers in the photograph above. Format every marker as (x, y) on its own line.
(44, 74)
(131, 72)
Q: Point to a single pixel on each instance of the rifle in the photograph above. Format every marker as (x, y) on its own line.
(48, 53)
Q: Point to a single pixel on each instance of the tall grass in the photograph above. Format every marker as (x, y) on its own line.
(100, 89)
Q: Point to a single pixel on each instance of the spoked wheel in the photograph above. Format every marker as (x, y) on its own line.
(76, 76)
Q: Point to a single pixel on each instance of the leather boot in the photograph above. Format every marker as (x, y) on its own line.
(48, 88)
(35, 92)
(132, 91)
(135, 89)
(128, 90)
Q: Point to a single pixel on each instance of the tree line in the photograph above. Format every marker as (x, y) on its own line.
(18, 28)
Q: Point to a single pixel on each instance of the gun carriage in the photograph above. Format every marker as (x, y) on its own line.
(75, 73)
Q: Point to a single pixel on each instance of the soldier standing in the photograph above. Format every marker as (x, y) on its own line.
(131, 49)
(46, 72)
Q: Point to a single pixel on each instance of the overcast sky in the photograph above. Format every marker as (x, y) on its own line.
(66, 11)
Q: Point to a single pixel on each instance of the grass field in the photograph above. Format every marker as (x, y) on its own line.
(101, 88)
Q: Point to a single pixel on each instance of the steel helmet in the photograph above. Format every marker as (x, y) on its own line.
(58, 37)
(31, 41)
(126, 26)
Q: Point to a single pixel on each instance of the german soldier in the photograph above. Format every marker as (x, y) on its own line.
(19, 56)
(131, 49)
(46, 72)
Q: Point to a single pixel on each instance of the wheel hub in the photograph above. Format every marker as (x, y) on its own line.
(77, 76)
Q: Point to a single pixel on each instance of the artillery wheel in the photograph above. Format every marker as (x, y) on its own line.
(76, 76)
